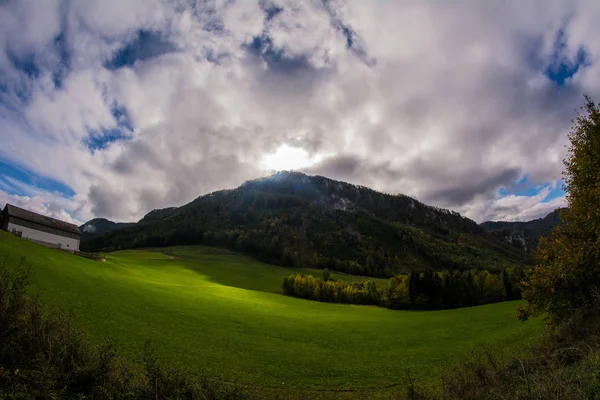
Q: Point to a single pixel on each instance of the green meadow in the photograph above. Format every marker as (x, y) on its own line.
(222, 314)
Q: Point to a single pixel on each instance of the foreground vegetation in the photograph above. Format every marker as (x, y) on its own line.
(566, 365)
(415, 291)
(225, 316)
(44, 355)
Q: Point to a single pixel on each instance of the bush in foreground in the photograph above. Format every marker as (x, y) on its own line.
(566, 281)
(565, 366)
(44, 355)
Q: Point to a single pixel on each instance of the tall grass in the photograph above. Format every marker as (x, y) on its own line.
(44, 355)
(565, 366)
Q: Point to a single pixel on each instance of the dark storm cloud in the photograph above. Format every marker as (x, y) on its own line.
(467, 188)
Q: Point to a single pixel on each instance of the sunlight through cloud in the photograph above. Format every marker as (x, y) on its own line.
(288, 158)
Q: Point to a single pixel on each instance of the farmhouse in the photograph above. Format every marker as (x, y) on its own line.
(38, 228)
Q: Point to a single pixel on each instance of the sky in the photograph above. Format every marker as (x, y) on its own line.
(112, 108)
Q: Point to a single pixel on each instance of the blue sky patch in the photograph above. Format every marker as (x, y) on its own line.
(31, 178)
(101, 139)
(31, 69)
(25, 64)
(146, 45)
(555, 193)
(262, 46)
(19, 88)
(122, 117)
(271, 12)
(561, 67)
(354, 43)
(524, 188)
(60, 73)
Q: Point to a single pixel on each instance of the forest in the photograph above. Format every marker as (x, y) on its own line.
(426, 290)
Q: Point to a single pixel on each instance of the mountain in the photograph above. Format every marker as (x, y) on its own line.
(295, 219)
(524, 235)
(99, 226)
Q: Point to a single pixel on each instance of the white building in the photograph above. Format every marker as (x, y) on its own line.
(38, 228)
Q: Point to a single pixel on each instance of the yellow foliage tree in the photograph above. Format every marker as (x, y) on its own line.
(566, 281)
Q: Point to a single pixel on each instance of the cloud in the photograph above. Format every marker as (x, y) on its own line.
(136, 105)
(52, 204)
(520, 207)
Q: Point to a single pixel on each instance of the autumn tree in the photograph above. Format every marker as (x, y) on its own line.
(566, 280)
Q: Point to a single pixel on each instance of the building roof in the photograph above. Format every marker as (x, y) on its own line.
(30, 216)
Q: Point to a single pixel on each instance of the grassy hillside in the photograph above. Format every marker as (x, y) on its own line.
(223, 314)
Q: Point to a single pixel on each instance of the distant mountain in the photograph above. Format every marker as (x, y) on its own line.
(99, 226)
(524, 235)
(295, 219)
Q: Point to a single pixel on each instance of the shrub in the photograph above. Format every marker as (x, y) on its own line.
(44, 355)
(566, 280)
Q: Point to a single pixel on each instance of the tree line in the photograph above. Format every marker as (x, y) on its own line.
(427, 290)
(331, 291)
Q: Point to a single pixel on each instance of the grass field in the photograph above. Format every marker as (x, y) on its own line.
(223, 314)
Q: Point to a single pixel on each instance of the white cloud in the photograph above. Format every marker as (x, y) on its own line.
(517, 207)
(69, 113)
(444, 101)
(42, 202)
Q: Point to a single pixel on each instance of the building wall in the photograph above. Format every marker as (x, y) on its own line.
(39, 227)
(66, 243)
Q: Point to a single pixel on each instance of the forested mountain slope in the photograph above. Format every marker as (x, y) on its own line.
(99, 226)
(295, 219)
(524, 235)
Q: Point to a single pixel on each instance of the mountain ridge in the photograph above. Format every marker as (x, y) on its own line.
(102, 225)
(524, 234)
(291, 218)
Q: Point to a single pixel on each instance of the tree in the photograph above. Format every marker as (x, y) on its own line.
(326, 275)
(566, 280)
